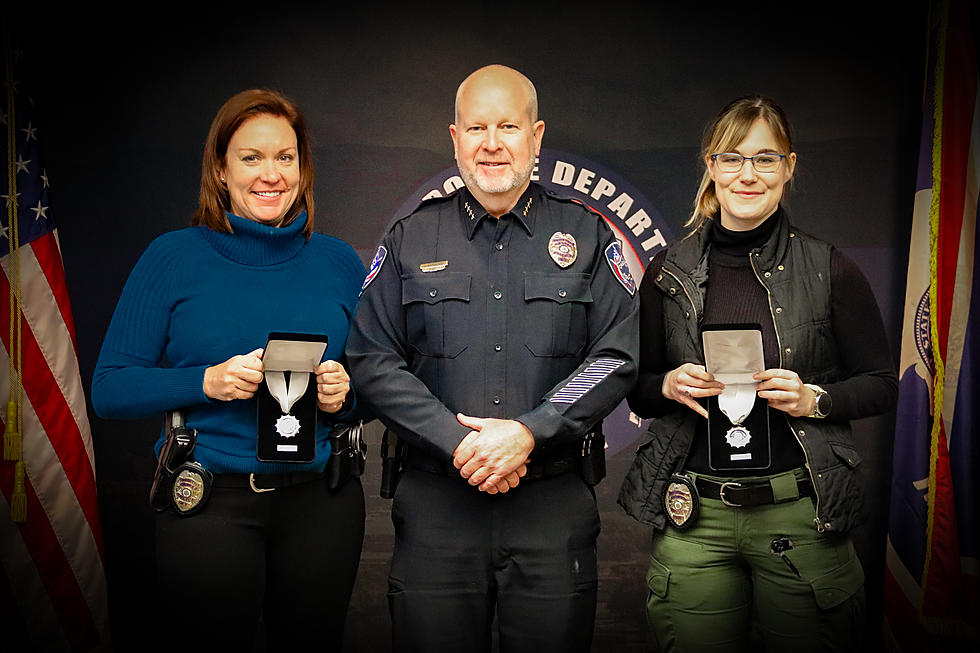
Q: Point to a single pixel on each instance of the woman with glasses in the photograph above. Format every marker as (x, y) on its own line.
(758, 344)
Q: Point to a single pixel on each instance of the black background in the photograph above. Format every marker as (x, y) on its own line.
(124, 99)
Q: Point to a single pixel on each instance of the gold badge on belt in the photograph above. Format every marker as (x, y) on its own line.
(681, 501)
(563, 249)
(191, 486)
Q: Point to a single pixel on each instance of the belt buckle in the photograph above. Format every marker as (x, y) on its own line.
(259, 490)
(721, 493)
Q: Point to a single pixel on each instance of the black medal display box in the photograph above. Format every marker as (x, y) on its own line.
(287, 414)
(738, 420)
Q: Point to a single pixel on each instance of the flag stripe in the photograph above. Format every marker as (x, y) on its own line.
(56, 420)
(56, 507)
(53, 571)
(47, 251)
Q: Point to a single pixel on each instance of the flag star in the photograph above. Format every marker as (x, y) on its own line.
(3, 117)
(7, 197)
(13, 85)
(4, 232)
(30, 131)
(21, 163)
(44, 178)
(40, 211)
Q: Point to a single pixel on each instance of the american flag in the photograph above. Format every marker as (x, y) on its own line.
(933, 551)
(52, 585)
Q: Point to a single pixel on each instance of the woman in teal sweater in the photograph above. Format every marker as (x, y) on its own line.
(188, 334)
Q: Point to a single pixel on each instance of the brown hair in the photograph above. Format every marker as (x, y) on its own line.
(214, 199)
(723, 134)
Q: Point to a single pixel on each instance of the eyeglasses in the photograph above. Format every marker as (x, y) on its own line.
(732, 161)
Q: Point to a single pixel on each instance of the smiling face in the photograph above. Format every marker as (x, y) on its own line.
(747, 197)
(262, 169)
(496, 136)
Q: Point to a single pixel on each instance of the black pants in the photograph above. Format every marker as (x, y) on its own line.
(291, 554)
(461, 554)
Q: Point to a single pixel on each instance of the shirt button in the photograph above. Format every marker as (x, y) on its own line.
(497, 294)
(497, 347)
(768, 274)
(779, 310)
(789, 351)
(499, 246)
(673, 291)
(562, 293)
(496, 401)
(433, 293)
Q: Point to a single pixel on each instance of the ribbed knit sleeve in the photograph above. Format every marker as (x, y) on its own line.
(130, 380)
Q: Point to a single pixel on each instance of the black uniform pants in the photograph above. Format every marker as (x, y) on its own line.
(291, 554)
(461, 554)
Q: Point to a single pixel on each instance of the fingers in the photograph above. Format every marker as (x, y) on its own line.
(690, 381)
(465, 451)
(785, 391)
(332, 386)
(474, 423)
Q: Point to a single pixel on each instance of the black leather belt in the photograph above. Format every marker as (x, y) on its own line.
(736, 494)
(266, 482)
(547, 469)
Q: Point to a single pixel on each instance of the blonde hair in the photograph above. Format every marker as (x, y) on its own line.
(723, 134)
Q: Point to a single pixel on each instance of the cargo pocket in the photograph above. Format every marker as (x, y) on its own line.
(832, 589)
(555, 312)
(658, 577)
(432, 303)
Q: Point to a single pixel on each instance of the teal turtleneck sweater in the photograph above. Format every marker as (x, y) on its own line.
(196, 298)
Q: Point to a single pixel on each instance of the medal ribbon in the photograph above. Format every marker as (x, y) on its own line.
(287, 397)
(736, 402)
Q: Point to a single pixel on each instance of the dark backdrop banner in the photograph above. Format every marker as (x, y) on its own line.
(126, 100)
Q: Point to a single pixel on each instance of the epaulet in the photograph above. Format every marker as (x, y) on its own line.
(571, 200)
(424, 203)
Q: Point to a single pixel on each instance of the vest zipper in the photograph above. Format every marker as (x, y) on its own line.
(694, 308)
(779, 344)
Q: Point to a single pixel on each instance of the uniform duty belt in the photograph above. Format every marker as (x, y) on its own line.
(735, 494)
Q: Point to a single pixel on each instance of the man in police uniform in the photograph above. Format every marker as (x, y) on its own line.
(496, 328)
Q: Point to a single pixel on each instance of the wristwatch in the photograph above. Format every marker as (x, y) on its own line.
(822, 404)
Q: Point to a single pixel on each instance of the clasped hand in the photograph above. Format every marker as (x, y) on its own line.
(782, 389)
(494, 455)
(239, 378)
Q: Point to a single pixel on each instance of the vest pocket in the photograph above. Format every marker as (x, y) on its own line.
(555, 310)
(433, 303)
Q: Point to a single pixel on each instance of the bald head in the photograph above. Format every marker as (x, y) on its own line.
(500, 77)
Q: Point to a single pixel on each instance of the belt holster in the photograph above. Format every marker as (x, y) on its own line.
(594, 455)
(179, 482)
(392, 462)
(347, 454)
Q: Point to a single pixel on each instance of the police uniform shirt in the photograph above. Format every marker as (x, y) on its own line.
(531, 316)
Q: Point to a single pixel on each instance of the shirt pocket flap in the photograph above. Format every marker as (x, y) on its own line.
(436, 288)
(558, 287)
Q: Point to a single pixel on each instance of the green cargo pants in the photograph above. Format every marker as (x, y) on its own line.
(710, 583)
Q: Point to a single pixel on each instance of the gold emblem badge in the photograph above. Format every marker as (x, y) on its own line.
(681, 501)
(563, 249)
(188, 492)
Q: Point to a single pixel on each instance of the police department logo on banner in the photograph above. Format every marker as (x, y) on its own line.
(637, 224)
